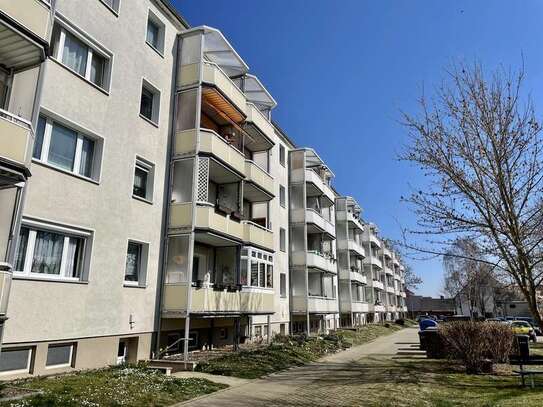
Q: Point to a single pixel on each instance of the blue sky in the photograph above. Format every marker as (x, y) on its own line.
(341, 71)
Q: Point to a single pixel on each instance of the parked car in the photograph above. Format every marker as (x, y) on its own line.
(532, 323)
(523, 328)
(458, 318)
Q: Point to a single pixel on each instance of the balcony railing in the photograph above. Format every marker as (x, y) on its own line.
(209, 300)
(322, 305)
(15, 138)
(378, 284)
(259, 176)
(358, 277)
(255, 116)
(322, 261)
(257, 235)
(314, 217)
(31, 14)
(212, 143)
(5, 287)
(312, 177)
(214, 75)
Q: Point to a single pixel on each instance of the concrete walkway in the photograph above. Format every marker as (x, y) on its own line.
(329, 382)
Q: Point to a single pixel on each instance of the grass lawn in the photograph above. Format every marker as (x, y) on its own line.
(394, 382)
(117, 386)
(287, 352)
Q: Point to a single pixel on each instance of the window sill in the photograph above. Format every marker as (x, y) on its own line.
(81, 177)
(47, 280)
(113, 11)
(133, 285)
(104, 91)
(160, 53)
(149, 121)
(139, 198)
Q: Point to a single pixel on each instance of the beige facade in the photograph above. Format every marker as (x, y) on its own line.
(166, 211)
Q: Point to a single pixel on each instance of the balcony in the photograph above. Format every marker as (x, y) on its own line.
(358, 277)
(373, 240)
(359, 306)
(256, 235)
(207, 219)
(5, 287)
(259, 177)
(379, 308)
(317, 186)
(322, 262)
(403, 294)
(389, 271)
(213, 75)
(23, 44)
(15, 139)
(256, 118)
(209, 301)
(356, 247)
(319, 224)
(322, 305)
(374, 261)
(378, 284)
(390, 289)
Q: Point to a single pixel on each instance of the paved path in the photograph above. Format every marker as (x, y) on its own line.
(330, 382)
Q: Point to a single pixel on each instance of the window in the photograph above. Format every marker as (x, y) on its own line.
(15, 360)
(80, 57)
(150, 102)
(67, 149)
(283, 285)
(155, 33)
(113, 5)
(59, 355)
(282, 155)
(282, 197)
(49, 253)
(136, 263)
(282, 240)
(143, 180)
(258, 268)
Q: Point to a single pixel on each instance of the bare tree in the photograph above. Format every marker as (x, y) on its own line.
(412, 280)
(481, 148)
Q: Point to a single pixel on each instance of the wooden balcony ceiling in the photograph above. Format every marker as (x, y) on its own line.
(221, 105)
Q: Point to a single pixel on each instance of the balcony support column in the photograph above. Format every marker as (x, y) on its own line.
(186, 340)
(237, 334)
(268, 339)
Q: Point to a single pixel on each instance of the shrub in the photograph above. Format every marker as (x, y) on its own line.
(400, 322)
(477, 345)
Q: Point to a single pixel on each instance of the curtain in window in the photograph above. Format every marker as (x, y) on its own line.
(97, 70)
(75, 246)
(47, 253)
(87, 154)
(146, 105)
(254, 273)
(132, 262)
(62, 148)
(75, 54)
(269, 275)
(140, 182)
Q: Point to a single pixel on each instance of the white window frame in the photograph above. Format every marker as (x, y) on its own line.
(92, 46)
(284, 203)
(70, 358)
(28, 362)
(149, 167)
(96, 156)
(249, 257)
(34, 227)
(161, 32)
(155, 114)
(142, 266)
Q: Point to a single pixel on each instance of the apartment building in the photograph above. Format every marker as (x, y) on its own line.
(226, 265)
(85, 274)
(149, 204)
(313, 258)
(353, 281)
